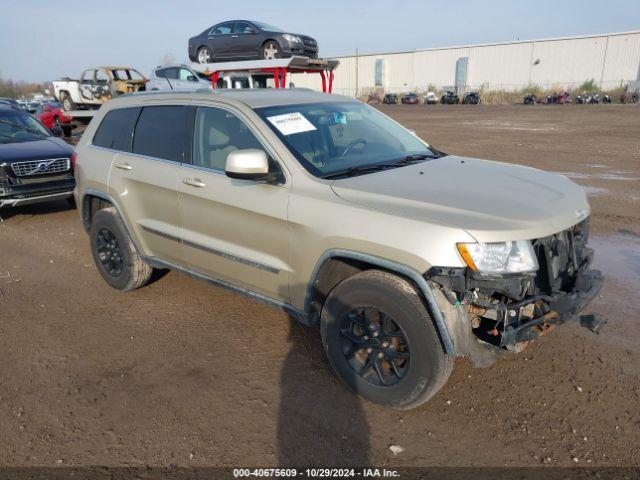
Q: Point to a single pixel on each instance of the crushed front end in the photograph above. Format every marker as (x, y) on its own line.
(507, 311)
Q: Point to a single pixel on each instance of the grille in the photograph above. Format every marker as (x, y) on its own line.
(41, 167)
(560, 257)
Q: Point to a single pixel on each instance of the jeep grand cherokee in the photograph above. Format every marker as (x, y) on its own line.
(406, 257)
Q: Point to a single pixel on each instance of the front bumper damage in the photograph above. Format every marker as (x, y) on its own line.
(507, 312)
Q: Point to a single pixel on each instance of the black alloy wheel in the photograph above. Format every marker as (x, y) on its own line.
(109, 252)
(375, 346)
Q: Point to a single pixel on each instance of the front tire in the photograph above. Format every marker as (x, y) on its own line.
(270, 50)
(114, 253)
(382, 342)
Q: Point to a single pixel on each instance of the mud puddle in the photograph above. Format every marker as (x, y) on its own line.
(618, 257)
(594, 191)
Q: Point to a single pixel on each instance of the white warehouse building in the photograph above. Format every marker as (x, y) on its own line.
(611, 60)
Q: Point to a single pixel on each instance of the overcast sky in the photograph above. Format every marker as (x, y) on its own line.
(44, 40)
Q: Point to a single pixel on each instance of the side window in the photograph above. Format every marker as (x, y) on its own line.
(116, 129)
(170, 73)
(217, 133)
(161, 73)
(222, 82)
(87, 76)
(101, 77)
(184, 74)
(243, 27)
(161, 132)
(223, 29)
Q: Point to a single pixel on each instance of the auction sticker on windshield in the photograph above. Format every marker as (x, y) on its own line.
(291, 123)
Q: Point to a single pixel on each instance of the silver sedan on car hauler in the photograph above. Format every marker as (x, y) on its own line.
(405, 256)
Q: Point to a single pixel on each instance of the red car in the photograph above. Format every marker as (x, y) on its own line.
(409, 98)
(51, 114)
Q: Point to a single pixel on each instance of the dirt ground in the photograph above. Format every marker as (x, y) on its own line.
(181, 372)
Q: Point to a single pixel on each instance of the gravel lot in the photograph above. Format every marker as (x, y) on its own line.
(181, 372)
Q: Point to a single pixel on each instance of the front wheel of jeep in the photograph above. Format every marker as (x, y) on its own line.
(114, 253)
(381, 340)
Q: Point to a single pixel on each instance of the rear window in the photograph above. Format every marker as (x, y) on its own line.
(116, 130)
(161, 132)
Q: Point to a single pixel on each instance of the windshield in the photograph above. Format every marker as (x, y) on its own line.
(331, 138)
(16, 126)
(266, 27)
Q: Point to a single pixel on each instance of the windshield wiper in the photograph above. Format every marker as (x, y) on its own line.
(382, 166)
(23, 127)
(365, 168)
(414, 158)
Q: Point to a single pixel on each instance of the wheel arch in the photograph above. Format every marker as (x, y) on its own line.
(336, 265)
(272, 39)
(92, 201)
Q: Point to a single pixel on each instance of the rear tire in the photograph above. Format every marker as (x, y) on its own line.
(382, 342)
(67, 102)
(114, 253)
(204, 55)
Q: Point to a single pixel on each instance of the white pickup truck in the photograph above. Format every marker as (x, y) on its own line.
(96, 86)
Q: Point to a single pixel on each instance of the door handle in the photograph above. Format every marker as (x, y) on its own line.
(194, 182)
(123, 166)
(234, 36)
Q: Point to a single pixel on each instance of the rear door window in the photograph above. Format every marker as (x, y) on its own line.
(116, 130)
(161, 132)
(223, 29)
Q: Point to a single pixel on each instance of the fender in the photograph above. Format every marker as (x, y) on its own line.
(108, 198)
(392, 266)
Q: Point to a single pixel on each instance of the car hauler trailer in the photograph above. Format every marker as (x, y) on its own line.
(278, 68)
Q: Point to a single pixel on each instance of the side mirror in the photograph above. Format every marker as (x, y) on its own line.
(249, 164)
(192, 78)
(57, 131)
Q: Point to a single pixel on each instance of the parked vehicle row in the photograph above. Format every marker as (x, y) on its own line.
(430, 98)
(563, 98)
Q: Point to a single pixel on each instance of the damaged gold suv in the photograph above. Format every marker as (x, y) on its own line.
(404, 256)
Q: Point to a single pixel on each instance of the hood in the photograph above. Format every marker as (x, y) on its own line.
(305, 37)
(491, 201)
(50, 147)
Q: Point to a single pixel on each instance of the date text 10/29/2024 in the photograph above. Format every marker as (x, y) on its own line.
(316, 473)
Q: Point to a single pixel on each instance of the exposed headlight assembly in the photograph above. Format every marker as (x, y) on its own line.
(291, 38)
(500, 257)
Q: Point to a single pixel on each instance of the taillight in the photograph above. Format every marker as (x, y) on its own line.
(74, 159)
